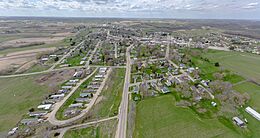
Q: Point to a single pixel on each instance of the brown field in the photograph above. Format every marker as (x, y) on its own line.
(22, 58)
(30, 41)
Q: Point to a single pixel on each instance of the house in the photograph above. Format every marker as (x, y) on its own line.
(78, 74)
(85, 95)
(49, 101)
(89, 91)
(99, 76)
(165, 90)
(13, 131)
(76, 105)
(214, 104)
(37, 113)
(74, 81)
(67, 87)
(81, 100)
(238, 121)
(57, 96)
(71, 83)
(103, 70)
(30, 121)
(82, 62)
(44, 59)
(254, 113)
(71, 112)
(45, 106)
(63, 91)
(136, 90)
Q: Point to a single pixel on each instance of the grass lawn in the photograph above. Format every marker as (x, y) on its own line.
(18, 95)
(102, 130)
(111, 96)
(245, 64)
(159, 117)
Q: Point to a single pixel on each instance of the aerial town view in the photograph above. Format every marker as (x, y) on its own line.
(129, 69)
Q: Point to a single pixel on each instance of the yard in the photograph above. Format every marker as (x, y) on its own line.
(159, 117)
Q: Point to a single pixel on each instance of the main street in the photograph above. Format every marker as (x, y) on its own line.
(123, 109)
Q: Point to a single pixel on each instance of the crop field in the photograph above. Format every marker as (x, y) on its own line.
(245, 64)
(159, 117)
(109, 101)
(102, 130)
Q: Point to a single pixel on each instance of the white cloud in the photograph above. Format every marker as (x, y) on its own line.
(251, 5)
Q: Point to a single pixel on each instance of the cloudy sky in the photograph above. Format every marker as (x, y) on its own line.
(214, 9)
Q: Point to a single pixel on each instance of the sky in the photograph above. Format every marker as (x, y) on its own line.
(185, 9)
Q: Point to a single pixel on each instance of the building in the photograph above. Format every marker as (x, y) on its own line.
(30, 121)
(45, 106)
(37, 113)
(57, 96)
(165, 90)
(238, 121)
(66, 87)
(76, 105)
(254, 113)
(81, 100)
(85, 95)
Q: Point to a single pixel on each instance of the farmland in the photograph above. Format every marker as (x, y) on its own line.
(159, 117)
(245, 64)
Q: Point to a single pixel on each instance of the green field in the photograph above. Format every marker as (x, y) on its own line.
(102, 130)
(18, 95)
(245, 64)
(111, 96)
(159, 117)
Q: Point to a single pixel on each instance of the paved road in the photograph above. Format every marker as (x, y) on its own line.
(52, 118)
(62, 131)
(92, 53)
(123, 109)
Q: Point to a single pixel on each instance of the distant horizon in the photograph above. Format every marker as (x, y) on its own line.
(138, 18)
(140, 9)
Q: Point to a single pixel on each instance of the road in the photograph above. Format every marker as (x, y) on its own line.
(92, 53)
(52, 118)
(148, 81)
(123, 109)
(62, 131)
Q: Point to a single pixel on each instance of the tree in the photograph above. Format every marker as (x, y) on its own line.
(217, 64)
(56, 59)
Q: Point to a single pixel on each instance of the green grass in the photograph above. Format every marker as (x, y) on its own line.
(111, 96)
(253, 90)
(102, 130)
(245, 64)
(159, 117)
(59, 115)
(18, 95)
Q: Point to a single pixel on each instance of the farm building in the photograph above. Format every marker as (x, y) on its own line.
(253, 113)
